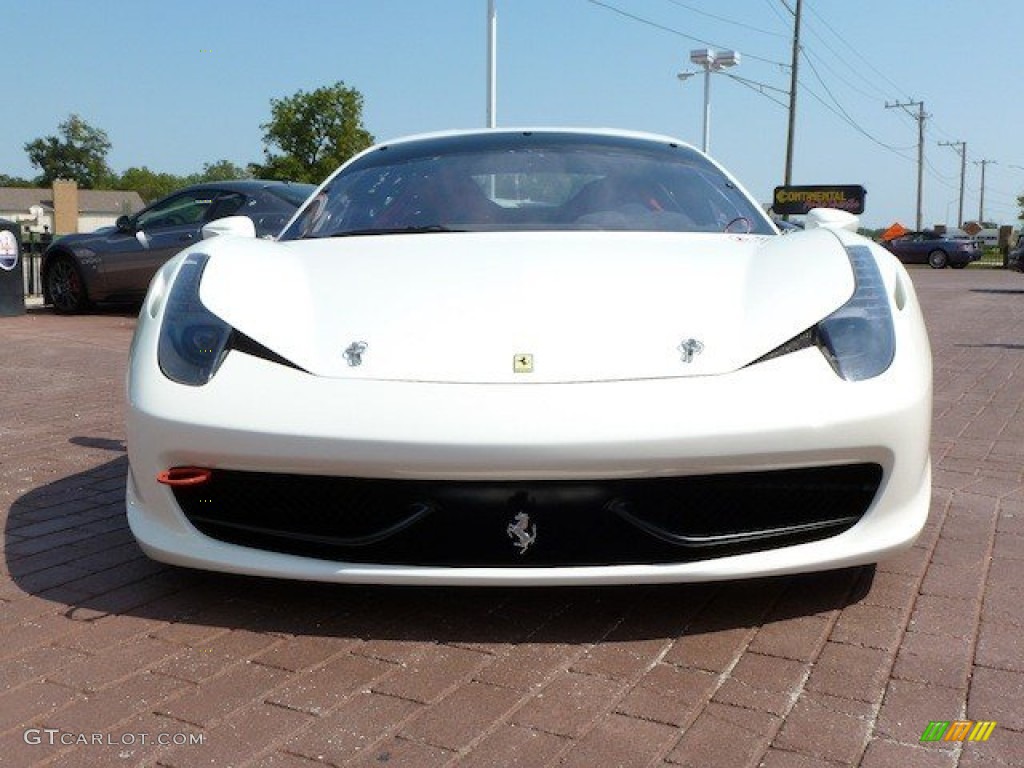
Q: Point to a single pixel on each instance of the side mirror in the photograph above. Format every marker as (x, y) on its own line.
(124, 224)
(239, 226)
(831, 218)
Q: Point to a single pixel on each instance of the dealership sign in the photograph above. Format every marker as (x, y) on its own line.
(8, 250)
(790, 200)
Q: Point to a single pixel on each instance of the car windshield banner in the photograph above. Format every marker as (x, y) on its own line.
(790, 200)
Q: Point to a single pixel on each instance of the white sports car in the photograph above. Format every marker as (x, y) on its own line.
(529, 357)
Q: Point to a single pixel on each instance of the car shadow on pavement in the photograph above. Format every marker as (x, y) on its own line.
(68, 543)
(103, 443)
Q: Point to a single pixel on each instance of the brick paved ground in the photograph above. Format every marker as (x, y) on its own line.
(823, 670)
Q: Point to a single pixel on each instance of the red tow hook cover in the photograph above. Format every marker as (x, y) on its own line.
(178, 477)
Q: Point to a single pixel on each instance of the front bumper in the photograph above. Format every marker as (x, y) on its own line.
(965, 257)
(788, 413)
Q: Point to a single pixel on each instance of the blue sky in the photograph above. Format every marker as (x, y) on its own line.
(179, 84)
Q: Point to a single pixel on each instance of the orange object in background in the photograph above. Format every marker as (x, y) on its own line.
(896, 230)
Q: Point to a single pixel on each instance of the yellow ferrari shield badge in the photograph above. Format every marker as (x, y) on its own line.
(522, 363)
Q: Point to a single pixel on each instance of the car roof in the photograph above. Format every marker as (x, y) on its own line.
(483, 137)
(246, 185)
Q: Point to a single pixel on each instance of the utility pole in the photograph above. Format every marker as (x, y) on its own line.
(981, 203)
(792, 93)
(961, 149)
(920, 117)
(492, 65)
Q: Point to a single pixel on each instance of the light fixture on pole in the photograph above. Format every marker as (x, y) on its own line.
(711, 61)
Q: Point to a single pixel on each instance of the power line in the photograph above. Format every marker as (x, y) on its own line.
(878, 95)
(760, 88)
(689, 7)
(846, 115)
(898, 151)
(943, 178)
(778, 14)
(824, 63)
(765, 86)
(856, 52)
(663, 28)
(1006, 198)
(831, 102)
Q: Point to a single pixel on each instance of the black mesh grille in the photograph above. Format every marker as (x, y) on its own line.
(576, 523)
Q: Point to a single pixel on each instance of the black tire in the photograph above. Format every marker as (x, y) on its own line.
(65, 286)
(938, 259)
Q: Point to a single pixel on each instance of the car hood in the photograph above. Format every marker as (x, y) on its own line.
(531, 307)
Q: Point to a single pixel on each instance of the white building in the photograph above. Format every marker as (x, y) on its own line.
(35, 209)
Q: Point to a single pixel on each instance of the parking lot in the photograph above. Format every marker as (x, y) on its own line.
(108, 659)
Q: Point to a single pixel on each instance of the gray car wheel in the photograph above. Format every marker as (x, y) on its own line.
(65, 286)
(938, 259)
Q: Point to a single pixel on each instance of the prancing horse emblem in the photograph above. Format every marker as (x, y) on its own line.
(522, 533)
(354, 353)
(689, 349)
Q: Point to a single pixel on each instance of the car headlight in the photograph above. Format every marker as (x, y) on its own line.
(193, 340)
(858, 338)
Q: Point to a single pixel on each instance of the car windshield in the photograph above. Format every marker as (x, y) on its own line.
(525, 181)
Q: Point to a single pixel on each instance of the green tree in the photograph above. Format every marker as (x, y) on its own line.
(14, 181)
(1020, 204)
(152, 185)
(316, 132)
(222, 170)
(149, 184)
(78, 152)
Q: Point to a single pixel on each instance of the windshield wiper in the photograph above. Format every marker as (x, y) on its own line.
(395, 231)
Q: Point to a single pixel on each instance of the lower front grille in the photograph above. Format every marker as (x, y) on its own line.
(529, 524)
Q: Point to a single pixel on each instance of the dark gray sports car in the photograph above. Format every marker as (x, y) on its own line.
(935, 249)
(117, 263)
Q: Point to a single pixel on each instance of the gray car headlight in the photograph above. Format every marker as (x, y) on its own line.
(193, 340)
(858, 338)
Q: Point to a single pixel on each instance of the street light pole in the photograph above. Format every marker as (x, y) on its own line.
(706, 140)
(711, 61)
(492, 65)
